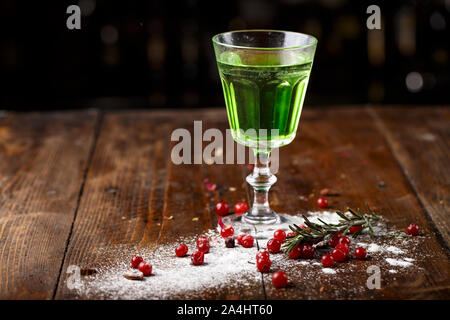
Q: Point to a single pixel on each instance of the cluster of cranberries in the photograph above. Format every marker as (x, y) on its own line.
(341, 249)
(138, 263)
(222, 208)
(245, 240)
(203, 245)
(263, 263)
(197, 257)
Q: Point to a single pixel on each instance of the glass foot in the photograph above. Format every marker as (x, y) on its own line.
(268, 218)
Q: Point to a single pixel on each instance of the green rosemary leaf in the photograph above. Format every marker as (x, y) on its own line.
(370, 230)
(309, 223)
(354, 213)
(323, 232)
(340, 214)
(323, 222)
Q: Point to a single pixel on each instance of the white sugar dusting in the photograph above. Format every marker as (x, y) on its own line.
(398, 263)
(233, 270)
(173, 276)
(328, 271)
(376, 248)
(373, 247)
(394, 250)
(393, 271)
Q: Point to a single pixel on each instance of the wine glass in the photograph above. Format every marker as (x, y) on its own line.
(264, 75)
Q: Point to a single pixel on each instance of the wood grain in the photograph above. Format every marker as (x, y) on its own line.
(43, 159)
(135, 195)
(343, 150)
(419, 139)
(134, 198)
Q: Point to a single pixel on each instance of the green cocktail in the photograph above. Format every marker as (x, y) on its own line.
(264, 74)
(264, 97)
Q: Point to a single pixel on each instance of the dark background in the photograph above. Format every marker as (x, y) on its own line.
(157, 54)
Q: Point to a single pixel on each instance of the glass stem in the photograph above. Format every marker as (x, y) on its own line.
(261, 179)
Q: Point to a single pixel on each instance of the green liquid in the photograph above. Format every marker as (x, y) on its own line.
(264, 97)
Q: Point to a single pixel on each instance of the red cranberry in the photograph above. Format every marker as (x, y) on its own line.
(355, 229)
(338, 255)
(344, 240)
(279, 279)
(291, 234)
(274, 245)
(240, 207)
(307, 250)
(239, 238)
(181, 250)
(345, 248)
(413, 229)
(263, 265)
(305, 228)
(262, 254)
(327, 260)
(280, 235)
(201, 239)
(197, 258)
(222, 208)
(296, 252)
(247, 241)
(335, 239)
(145, 268)
(135, 261)
(203, 247)
(226, 232)
(360, 253)
(322, 202)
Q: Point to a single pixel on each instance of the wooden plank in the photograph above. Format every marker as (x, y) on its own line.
(343, 150)
(136, 199)
(418, 138)
(43, 160)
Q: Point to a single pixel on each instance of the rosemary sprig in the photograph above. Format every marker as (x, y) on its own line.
(323, 232)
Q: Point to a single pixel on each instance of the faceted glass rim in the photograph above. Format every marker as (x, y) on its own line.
(308, 45)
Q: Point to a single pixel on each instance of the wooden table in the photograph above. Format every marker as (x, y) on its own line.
(75, 182)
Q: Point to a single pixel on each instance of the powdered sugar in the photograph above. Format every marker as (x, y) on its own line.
(230, 270)
(376, 248)
(328, 271)
(173, 276)
(393, 271)
(394, 250)
(398, 263)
